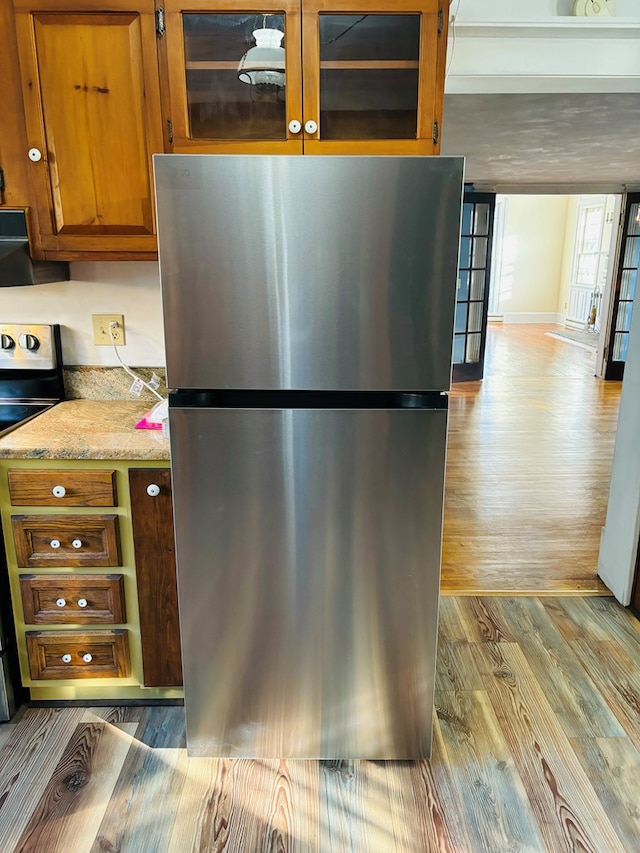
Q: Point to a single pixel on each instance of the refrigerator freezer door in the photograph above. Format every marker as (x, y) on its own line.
(320, 273)
(308, 548)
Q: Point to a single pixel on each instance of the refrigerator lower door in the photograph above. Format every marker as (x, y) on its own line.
(308, 549)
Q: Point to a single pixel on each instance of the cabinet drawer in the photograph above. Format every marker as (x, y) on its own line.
(75, 599)
(66, 540)
(62, 488)
(78, 654)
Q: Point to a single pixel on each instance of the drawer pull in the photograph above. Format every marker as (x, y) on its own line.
(66, 658)
(59, 491)
(60, 602)
(77, 543)
(153, 490)
(55, 543)
(82, 602)
(87, 658)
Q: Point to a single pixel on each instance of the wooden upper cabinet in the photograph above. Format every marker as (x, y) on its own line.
(212, 109)
(92, 106)
(371, 82)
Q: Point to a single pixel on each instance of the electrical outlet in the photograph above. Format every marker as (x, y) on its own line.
(101, 334)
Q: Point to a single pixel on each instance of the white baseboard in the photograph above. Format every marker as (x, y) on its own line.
(533, 317)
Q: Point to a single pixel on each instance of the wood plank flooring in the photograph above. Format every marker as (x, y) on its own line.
(536, 748)
(528, 469)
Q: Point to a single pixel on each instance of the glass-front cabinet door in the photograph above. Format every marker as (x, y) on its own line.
(373, 80)
(234, 76)
(319, 76)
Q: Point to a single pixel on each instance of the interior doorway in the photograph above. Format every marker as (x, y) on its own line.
(552, 260)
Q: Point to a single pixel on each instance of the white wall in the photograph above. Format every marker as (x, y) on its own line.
(532, 257)
(516, 10)
(131, 288)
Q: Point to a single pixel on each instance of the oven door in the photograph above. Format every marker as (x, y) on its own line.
(7, 703)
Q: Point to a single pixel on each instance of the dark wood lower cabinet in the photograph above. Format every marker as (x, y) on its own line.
(152, 519)
(78, 654)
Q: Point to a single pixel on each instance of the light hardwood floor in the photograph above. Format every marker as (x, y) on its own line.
(536, 748)
(528, 469)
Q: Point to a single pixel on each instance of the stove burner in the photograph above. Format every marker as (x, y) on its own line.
(13, 415)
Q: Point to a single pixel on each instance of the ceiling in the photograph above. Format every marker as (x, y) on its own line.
(545, 142)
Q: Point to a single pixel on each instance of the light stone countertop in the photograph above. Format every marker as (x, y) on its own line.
(86, 429)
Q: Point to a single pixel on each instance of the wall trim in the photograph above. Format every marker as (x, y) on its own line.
(533, 317)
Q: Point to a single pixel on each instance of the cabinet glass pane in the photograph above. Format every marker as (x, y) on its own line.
(634, 220)
(369, 76)
(220, 104)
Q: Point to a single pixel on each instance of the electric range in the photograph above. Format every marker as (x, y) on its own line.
(30, 383)
(30, 372)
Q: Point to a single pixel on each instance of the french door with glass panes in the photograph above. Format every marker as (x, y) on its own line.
(472, 297)
(312, 76)
(625, 289)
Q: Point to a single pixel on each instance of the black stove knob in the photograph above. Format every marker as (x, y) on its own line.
(6, 342)
(29, 342)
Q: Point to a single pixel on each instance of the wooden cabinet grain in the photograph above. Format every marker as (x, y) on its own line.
(78, 654)
(152, 520)
(93, 88)
(341, 77)
(60, 586)
(92, 108)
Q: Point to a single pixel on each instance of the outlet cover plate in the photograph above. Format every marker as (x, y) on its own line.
(101, 336)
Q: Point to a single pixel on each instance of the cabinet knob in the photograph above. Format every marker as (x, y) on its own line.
(294, 126)
(55, 543)
(311, 126)
(66, 658)
(59, 491)
(87, 658)
(60, 602)
(82, 602)
(77, 543)
(35, 154)
(153, 490)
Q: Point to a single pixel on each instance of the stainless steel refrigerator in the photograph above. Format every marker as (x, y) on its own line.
(308, 312)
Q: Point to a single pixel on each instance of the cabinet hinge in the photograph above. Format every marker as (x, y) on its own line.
(170, 130)
(160, 22)
(440, 21)
(436, 132)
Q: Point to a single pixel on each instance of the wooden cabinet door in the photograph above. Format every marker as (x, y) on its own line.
(152, 518)
(14, 185)
(92, 105)
(374, 80)
(212, 109)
